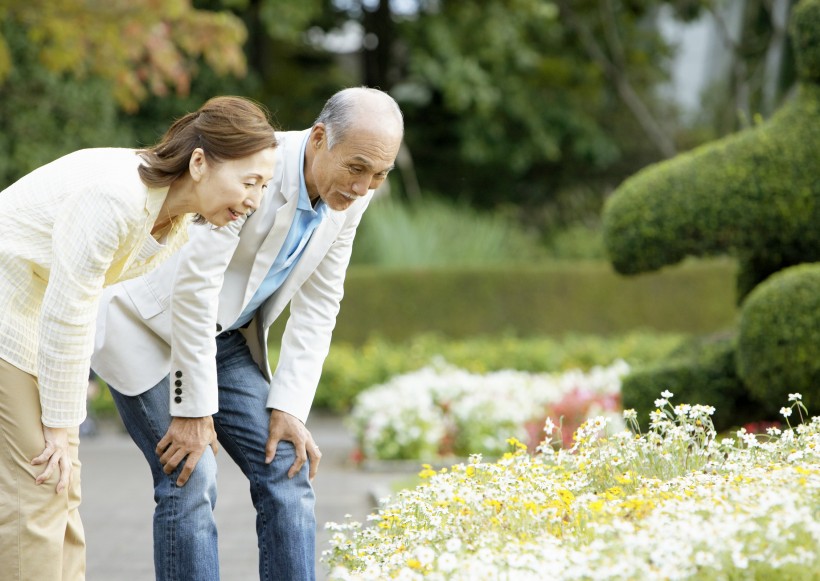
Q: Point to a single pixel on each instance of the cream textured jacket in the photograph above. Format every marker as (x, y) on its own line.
(68, 229)
(148, 327)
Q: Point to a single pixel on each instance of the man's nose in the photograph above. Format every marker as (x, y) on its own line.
(361, 186)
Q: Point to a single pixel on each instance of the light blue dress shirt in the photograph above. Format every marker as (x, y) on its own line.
(304, 223)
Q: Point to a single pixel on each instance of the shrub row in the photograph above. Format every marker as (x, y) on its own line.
(350, 369)
(552, 299)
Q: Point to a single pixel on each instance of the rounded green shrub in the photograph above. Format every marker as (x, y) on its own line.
(779, 337)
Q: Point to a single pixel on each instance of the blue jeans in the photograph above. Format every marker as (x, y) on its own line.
(185, 536)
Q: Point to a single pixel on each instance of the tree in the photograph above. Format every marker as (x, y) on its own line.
(140, 47)
(759, 63)
(44, 115)
(515, 104)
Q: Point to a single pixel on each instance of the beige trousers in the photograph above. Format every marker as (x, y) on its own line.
(41, 535)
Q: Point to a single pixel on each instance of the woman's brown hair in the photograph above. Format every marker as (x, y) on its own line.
(224, 127)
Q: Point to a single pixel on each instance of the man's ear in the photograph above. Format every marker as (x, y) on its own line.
(318, 135)
(198, 164)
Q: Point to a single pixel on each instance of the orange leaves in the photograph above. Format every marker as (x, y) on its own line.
(141, 46)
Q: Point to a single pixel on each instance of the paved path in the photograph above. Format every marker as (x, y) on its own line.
(118, 504)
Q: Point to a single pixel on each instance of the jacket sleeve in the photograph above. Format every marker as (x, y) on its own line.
(194, 306)
(86, 237)
(306, 341)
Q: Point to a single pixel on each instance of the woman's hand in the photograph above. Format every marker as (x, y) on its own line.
(55, 455)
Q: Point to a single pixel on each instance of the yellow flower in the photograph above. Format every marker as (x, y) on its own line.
(614, 492)
(566, 496)
(427, 471)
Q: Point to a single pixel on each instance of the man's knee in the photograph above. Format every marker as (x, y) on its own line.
(200, 487)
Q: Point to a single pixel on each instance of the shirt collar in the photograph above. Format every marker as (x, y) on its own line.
(304, 198)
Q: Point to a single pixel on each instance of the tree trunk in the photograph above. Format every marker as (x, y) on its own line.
(775, 55)
(378, 42)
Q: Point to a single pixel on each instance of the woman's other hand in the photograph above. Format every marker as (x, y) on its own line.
(55, 455)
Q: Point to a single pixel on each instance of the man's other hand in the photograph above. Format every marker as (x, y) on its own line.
(186, 438)
(284, 426)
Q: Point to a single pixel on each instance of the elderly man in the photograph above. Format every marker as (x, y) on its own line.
(179, 394)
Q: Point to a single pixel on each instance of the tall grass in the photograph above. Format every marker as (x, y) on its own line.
(435, 233)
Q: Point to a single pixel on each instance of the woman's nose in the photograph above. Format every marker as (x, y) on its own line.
(253, 200)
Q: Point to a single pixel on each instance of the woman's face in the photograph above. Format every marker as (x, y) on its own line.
(229, 189)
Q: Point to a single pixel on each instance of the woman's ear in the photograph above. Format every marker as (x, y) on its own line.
(198, 164)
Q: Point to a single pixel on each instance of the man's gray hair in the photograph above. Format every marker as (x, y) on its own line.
(338, 114)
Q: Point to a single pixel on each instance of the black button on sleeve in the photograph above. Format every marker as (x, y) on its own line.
(178, 373)
(178, 391)
(218, 328)
(178, 382)
(178, 399)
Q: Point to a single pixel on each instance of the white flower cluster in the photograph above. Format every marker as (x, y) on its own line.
(418, 415)
(673, 503)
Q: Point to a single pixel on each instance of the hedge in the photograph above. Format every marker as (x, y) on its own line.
(553, 299)
(779, 337)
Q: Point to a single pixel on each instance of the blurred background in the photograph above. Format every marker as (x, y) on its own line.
(522, 116)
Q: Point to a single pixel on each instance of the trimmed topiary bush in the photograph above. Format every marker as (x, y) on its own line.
(754, 195)
(779, 338)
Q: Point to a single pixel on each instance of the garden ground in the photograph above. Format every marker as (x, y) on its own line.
(117, 503)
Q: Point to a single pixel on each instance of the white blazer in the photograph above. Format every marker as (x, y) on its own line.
(152, 326)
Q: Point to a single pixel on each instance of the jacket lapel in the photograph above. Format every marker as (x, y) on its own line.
(153, 204)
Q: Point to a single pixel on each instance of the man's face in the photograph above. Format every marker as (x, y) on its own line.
(359, 163)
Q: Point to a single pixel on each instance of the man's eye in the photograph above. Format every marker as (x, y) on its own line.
(355, 170)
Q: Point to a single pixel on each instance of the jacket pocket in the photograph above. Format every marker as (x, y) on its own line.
(148, 301)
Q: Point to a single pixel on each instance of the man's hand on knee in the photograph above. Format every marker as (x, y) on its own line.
(284, 426)
(186, 438)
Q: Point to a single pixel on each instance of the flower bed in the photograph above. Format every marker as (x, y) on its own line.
(674, 503)
(442, 411)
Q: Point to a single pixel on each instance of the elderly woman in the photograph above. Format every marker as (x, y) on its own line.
(67, 230)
